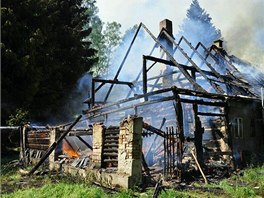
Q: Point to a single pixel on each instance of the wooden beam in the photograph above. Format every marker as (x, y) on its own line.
(144, 78)
(113, 81)
(211, 114)
(86, 143)
(201, 102)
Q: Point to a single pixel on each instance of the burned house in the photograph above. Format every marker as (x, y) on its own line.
(182, 106)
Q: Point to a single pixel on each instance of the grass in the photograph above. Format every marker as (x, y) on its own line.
(249, 183)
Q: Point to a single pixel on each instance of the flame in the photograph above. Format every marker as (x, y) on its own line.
(66, 147)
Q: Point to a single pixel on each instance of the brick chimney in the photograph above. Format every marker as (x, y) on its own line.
(166, 25)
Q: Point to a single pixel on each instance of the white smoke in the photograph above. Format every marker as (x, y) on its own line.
(241, 22)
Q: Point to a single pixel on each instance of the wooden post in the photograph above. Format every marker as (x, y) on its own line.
(198, 135)
(93, 92)
(22, 131)
(144, 78)
(23, 140)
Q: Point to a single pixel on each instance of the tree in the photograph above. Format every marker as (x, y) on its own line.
(198, 26)
(105, 42)
(44, 52)
(20, 38)
(105, 38)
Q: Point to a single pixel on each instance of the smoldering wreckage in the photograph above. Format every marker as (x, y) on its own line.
(198, 118)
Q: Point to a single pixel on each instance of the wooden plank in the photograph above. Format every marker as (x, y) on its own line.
(38, 146)
(38, 141)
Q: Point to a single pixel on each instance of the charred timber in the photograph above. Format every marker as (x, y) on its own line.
(167, 62)
(180, 91)
(214, 85)
(128, 100)
(153, 129)
(79, 133)
(123, 62)
(110, 154)
(131, 107)
(86, 143)
(111, 140)
(111, 150)
(37, 146)
(111, 145)
(114, 82)
(38, 134)
(202, 102)
(211, 114)
(184, 72)
(38, 140)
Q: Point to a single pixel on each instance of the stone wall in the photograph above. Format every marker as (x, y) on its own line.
(130, 150)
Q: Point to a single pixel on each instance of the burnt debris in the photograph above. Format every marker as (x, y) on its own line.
(187, 116)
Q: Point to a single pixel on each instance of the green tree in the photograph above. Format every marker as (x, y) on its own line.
(198, 26)
(20, 39)
(105, 37)
(44, 52)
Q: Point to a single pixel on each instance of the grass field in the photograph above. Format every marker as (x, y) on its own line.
(248, 183)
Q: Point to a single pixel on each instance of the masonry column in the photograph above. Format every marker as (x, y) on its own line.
(54, 135)
(130, 150)
(167, 80)
(98, 141)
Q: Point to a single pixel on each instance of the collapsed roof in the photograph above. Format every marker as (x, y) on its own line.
(181, 65)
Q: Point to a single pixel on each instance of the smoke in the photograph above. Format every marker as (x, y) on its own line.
(246, 37)
(74, 104)
(241, 23)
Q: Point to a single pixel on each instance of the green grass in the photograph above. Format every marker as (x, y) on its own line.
(249, 183)
(63, 190)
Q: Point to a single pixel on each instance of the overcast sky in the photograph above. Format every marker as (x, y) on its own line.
(240, 21)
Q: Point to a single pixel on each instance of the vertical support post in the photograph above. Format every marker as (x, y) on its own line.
(262, 102)
(173, 147)
(193, 74)
(93, 93)
(179, 119)
(225, 141)
(22, 131)
(227, 128)
(98, 142)
(165, 156)
(180, 131)
(198, 135)
(144, 76)
(130, 150)
(54, 134)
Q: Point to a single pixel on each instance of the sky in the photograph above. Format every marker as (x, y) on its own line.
(240, 21)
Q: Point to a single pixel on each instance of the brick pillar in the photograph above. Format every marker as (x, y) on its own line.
(98, 141)
(130, 150)
(54, 135)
